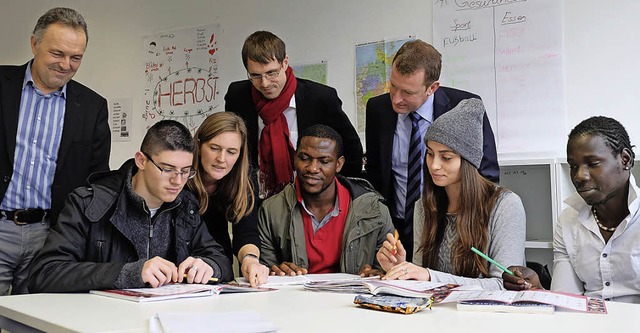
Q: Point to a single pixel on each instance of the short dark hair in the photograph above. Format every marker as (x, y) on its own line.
(66, 16)
(614, 134)
(167, 135)
(325, 132)
(418, 55)
(262, 47)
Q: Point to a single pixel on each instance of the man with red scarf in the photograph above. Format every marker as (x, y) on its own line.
(276, 105)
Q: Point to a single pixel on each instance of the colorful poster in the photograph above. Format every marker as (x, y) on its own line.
(373, 67)
(181, 71)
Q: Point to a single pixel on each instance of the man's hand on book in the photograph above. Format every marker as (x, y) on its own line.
(524, 279)
(196, 270)
(287, 268)
(367, 271)
(158, 271)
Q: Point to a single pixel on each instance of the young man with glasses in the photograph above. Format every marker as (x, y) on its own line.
(134, 226)
(276, 105)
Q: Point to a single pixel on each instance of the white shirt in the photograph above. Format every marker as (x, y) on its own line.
(585, 264)
(292, 122)
(400, 152)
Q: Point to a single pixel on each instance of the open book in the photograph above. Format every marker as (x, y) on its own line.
(484, 300)
(375, 286)
(279, 281)
(173, 291)
(169, 291)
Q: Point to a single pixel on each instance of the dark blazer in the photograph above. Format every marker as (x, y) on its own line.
(315, 104)
(85, 143)
(381, 126)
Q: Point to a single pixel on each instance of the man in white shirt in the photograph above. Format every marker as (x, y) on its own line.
(595, 245)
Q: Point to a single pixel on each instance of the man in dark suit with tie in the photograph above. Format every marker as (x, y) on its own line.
(55, 133)
(276, 106)
(395, 126)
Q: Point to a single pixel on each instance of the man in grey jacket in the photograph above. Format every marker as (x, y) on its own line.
(134, 226)
(322, 222)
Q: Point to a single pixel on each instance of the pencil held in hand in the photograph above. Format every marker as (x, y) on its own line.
(211, 280)
(395, 245)
(486, 257)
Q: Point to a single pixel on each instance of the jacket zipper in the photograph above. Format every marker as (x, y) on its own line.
(151, 224)
(150, 237)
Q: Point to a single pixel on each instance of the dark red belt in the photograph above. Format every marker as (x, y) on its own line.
(26, 216)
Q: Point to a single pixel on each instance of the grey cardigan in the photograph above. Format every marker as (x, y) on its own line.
(507, 228)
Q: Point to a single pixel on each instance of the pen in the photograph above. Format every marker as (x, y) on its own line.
(211, 280)
(506, 270)
(396, 236)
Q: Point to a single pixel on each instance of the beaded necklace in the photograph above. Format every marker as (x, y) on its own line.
(600, 225)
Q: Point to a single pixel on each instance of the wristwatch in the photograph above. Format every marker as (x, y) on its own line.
(249, 255)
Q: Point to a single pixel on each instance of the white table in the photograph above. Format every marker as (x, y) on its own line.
(295, 310)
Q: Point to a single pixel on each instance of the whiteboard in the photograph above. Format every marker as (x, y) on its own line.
(510, 53)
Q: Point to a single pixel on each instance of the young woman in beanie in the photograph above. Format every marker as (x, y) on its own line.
(459, 209)
(224, 191)
(595, 244)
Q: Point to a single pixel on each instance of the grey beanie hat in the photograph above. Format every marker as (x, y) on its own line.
(461, 130)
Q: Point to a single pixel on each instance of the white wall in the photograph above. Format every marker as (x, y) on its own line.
(601, 44)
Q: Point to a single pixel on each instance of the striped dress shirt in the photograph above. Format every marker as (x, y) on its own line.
(40, 124)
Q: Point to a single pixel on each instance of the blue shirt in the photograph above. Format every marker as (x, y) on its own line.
(400, 152)
(40, 124)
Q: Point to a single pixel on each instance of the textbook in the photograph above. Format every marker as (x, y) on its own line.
(168, 291)
(486, 300)
(375, 286)
(173, 291)
(518, 307)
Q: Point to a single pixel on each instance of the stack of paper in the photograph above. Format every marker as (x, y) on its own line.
(280, 281)
(196, 322)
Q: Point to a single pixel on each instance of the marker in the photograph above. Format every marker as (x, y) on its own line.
(506, 270)
(395, 247)
(211, 280)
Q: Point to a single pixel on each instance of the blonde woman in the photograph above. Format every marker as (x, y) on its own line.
(225, 192)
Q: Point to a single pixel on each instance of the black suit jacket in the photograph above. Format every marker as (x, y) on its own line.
(85, 143)
(315, 104)
(381, 126)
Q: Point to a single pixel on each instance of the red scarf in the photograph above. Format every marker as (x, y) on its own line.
(274, 144)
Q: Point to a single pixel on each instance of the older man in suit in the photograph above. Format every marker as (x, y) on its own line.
(276, 106)
(395, 127)
(55, 133)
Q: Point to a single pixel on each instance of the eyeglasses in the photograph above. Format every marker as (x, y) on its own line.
(172, 173)
(270, 75)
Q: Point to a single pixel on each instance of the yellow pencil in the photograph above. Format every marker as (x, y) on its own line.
(211, 280)
(395, 246)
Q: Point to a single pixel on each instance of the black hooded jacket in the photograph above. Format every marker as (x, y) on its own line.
(105, 234)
